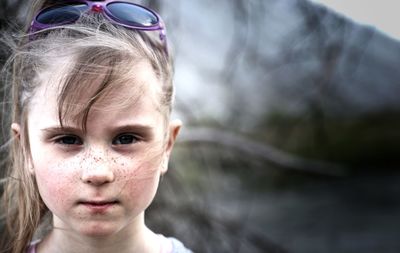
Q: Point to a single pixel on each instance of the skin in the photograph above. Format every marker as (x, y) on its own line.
(98, 183)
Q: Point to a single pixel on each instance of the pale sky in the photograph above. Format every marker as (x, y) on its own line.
(382, 14)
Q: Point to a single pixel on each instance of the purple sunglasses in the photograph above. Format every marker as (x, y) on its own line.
(126, 14)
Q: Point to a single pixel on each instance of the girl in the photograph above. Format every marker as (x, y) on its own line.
(92, 93)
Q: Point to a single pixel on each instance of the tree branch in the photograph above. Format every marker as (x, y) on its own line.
(267, 152)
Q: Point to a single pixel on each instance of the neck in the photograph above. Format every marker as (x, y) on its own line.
(135, 237)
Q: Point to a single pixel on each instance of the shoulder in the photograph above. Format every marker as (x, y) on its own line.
(32, 247)
(169, 245)
(178, 247)
(173, 245)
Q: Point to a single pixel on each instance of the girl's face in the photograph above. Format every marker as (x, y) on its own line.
(99, 182)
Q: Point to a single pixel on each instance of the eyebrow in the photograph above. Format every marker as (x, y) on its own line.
(57, 129)
(128, 127)
(145, 129)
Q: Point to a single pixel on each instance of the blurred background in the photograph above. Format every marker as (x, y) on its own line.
(291, 125)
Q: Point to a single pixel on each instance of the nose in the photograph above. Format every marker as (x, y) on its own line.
(97, 171)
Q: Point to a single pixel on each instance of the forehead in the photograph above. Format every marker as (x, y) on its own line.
(103, 88)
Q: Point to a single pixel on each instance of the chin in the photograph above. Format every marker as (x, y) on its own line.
(99, 230)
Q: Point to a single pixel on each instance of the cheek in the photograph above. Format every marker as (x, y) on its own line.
(55, 183)
(141, 182)
(59, 181)
(137, 169)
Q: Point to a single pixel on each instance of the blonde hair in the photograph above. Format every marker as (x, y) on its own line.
(101, 54)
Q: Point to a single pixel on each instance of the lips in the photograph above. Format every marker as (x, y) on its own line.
(98, 206)
(98, 203)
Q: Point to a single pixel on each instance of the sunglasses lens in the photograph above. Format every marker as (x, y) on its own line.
(61, 14)
(131, 14)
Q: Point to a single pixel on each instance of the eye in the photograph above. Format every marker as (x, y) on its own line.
(69, 140)
(125, 139)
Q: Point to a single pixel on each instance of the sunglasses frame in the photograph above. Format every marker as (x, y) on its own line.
(101, 6)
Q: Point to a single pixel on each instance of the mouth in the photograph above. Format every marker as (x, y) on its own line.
(98, 206)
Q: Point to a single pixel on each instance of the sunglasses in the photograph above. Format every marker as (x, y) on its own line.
(126, 14)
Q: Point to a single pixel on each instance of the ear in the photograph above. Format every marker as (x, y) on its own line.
(16, 129)
(174, 128)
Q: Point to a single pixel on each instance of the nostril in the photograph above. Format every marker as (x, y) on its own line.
(97, 180)
(97, 176)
